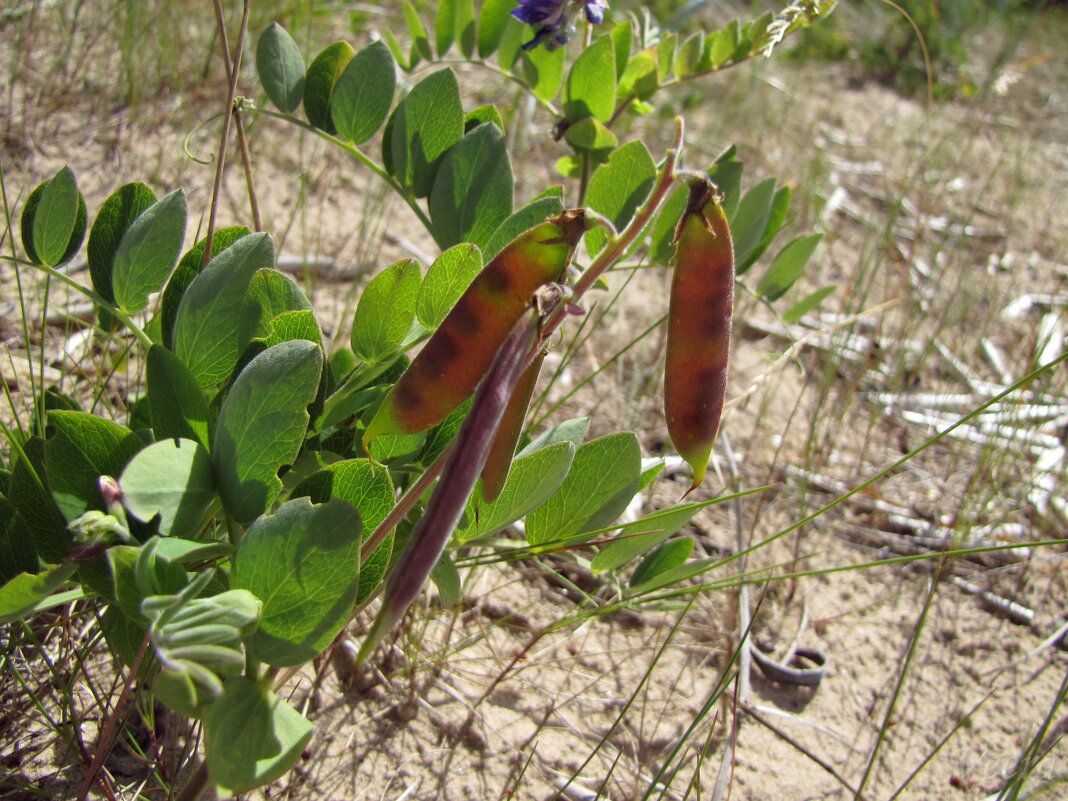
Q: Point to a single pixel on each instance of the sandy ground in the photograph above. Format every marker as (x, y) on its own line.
(481, 702)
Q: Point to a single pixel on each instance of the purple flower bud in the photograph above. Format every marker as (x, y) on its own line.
(112, 493)
(556, 19)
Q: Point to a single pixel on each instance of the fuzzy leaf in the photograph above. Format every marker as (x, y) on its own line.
(171, 478)
(532, 479)
(251, 736)
(211, 328)
(82, 448)
(364, 93)
(176, 403)
(473, 188)
(590, 90)
(261, 425)
(114, 219)
(424, 126)
(148, 252)
(618, 188)
(303, 562)
(600, 484)
(280, 67)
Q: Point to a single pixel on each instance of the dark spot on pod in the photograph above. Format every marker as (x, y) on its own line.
(497, 282)
(464, 318)
(440, 350)
(405, 396)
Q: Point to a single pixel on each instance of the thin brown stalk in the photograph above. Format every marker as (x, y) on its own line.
(228, 114)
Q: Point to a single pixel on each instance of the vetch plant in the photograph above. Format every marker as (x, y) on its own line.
(246, 508)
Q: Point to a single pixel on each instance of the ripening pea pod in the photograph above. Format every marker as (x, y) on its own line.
(446, 371)
(699, 327)
(463, 465)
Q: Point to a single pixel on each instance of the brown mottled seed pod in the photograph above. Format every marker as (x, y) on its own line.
(699, 327)
(446, 371)
(462, 467)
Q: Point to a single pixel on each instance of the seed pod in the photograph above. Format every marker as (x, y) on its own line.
(446, 371)
(499, 460)
(699, 327)
(461, 470)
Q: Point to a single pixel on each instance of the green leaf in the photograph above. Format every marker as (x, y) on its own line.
(303, 562)
(667, 557)
(367, 486)
(29, 493)
(319, 83)
(420, 40)
(210, 328)
(148, 252)
(455, 22)
(261, 425)
(641, 78)
(122, 207)
(81, 449)
(251, 736)
(446, 280)
(191, 265)
(544, 71)
(618, 188)
(573, 430)
(176, 404)
(270, 293)
(447, 579)
(292, 325)
(662, 236)
(689, 55)
(780, 209)
(52, 214)
(750, 220)
(399, 56)
(364, 93)
(492, 20)
(634, 539)
(600, 484)
(25, 593)
(590, 90)
(787, 267)
(724, 45)
(534, 213)
(427, 123)
(807, 304)
(473, 188)
(280, 67)
(727, 176)
(665, 55)
(532, 479)
(511, 45)
(172, 479)
(17, 554)
(590, 134)
(385, 311)
(621, 36)
(477, 116)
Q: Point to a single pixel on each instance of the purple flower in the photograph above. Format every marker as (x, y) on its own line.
(554, 19)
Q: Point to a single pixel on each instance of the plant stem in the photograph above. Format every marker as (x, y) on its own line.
(228, 114)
